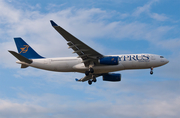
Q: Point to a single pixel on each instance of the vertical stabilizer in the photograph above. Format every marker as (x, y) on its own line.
(25, 50)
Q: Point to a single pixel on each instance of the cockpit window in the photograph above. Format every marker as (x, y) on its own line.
(161, 57)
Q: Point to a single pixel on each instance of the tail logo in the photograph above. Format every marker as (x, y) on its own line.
(24, 49)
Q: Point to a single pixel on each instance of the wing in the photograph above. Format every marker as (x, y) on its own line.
(85, 52)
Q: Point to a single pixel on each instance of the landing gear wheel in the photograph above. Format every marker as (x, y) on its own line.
(87, 73)
(151, 72)
(95, 80)
(91, 70)
(89, 82)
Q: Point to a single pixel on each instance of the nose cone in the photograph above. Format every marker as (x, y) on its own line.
(165, 61)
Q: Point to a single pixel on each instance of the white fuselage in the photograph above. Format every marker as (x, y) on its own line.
(74, 64)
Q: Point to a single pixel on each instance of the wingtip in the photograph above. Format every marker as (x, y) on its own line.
(53, 23)
(78, 80)
(10, 51)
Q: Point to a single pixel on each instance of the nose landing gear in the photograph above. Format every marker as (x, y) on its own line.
(151, 72)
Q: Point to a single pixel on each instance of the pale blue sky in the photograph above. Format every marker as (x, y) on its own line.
(110, 27)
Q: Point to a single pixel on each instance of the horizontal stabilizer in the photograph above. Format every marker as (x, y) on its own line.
(21, 58)
(24, 66)
(77, 79)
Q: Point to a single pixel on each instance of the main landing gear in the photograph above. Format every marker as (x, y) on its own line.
(93, 80)
(151, 72)
(91, 70)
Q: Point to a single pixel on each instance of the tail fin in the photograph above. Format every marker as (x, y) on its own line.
(25, 50)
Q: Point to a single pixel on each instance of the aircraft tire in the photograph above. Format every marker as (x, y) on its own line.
(89, 82)
(95, 80)
(151, 72)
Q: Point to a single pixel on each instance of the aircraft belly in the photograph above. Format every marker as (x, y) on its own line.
(127, 64)
(59, 66)
(41, 66)
(99, 69)
(107, 69)
(135, 64)
(64, 67)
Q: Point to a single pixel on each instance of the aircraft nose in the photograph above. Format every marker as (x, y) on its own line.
(166, 61)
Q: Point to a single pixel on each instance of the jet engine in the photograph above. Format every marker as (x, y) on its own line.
(111, 60)
(112, 77)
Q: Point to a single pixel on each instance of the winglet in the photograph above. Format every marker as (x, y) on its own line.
(53, 23)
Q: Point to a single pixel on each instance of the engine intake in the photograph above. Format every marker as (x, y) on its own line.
(111, 60)
(112, 77)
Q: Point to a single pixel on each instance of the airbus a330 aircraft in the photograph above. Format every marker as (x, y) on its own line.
(89, 61)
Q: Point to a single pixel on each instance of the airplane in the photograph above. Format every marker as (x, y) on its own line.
(90, 62)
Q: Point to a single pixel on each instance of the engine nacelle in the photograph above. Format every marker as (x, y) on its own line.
(112, 77)
(111, 60)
